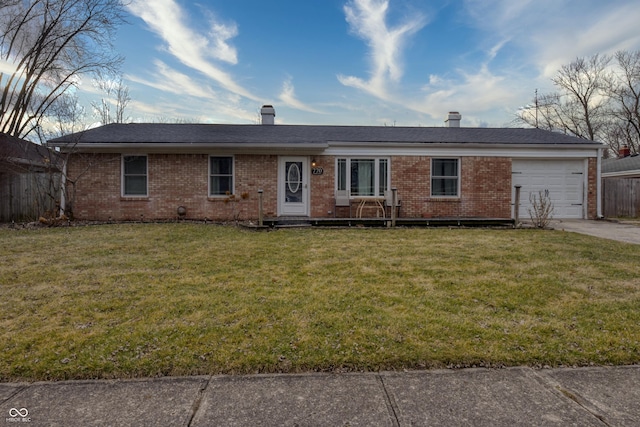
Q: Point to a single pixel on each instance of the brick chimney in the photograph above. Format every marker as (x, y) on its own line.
(268, 114)
(624, 151)
(453, 120)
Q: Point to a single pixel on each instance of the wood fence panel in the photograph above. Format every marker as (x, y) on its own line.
(621, 197)
(27, 196)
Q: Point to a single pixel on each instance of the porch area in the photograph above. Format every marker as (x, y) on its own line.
(291, 222)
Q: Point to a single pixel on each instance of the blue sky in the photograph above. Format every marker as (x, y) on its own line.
(361, 62)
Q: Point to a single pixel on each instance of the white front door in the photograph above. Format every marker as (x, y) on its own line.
(293, 186)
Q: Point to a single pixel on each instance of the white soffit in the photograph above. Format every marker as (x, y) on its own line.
(513, 152)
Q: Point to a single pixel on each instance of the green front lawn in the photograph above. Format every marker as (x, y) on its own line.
(138, 300)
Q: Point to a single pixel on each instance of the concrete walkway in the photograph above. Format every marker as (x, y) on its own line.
(598, 396)
(629, 233)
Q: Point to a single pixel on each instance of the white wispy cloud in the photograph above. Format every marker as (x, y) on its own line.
(167, 19)
(288, 97)
(208, 112)
(219, 35)
(145, 109)
(200, 102)
(368, 20)
(524, 43)
(471, 90)
(616, 28)
(7, 67)
(169, 80)
(551, 33)
(473, 93)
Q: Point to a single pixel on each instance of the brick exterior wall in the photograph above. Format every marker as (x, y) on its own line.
(485, 188)
(182, 180)
(173, 180)
(323, 189)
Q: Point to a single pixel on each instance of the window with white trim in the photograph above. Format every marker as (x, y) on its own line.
(134, 175)
(363, 176)
(220, 175)
(445, 177)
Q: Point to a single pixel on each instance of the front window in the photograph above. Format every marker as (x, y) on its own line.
(445, 177)
(342, 174)
(220, 176)
(363, 177)
(383, 169)
(134, 175)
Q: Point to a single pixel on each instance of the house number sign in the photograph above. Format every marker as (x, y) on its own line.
(317, 171)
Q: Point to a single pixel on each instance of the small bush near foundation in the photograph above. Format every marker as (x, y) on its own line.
(541, 210)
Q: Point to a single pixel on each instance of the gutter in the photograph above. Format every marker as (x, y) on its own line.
(63, 188)
(433, 144)
(183, 146)
(301, 145)
(599, 185)
(33, 163)
(622, 174)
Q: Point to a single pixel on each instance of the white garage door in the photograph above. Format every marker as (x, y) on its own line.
(562, 180)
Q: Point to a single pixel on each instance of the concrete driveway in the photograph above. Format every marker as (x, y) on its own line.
(622, 232)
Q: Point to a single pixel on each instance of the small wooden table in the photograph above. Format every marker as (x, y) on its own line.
(376, 202)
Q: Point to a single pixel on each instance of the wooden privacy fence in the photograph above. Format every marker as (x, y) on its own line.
(621, 197)
(27, 196)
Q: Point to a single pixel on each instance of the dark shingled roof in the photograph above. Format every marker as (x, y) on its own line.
(147, 133)
(630, 163)
(18, 151)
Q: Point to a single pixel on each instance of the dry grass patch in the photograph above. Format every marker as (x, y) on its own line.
(179, 299)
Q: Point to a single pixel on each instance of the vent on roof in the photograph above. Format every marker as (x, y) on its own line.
(453, 120)
(268, 114)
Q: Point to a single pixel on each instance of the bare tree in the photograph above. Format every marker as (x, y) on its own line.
(112, 108)
(597, 98)
(584, 112)
(624, 90)
(580, 106)
(65, 116)
(51, 44)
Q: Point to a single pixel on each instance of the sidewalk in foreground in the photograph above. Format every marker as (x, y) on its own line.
(598, 396)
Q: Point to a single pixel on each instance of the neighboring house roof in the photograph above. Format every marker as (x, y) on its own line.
(303, 136)
(627, 166)
(25, 154)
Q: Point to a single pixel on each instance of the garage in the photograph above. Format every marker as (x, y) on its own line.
(562, 180)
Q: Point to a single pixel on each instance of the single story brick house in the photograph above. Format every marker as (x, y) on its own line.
(215, 171)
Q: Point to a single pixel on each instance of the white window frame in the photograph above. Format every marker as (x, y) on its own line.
(123, 176)
(233, 175)
(458, 178)
(347, 180)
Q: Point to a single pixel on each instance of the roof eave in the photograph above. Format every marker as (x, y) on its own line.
(31, 163)
(182, 146)
(622, 174)
(592, 145)
(308, 146)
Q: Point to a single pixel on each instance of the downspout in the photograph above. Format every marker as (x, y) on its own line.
(63, 187)
(599, 185)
